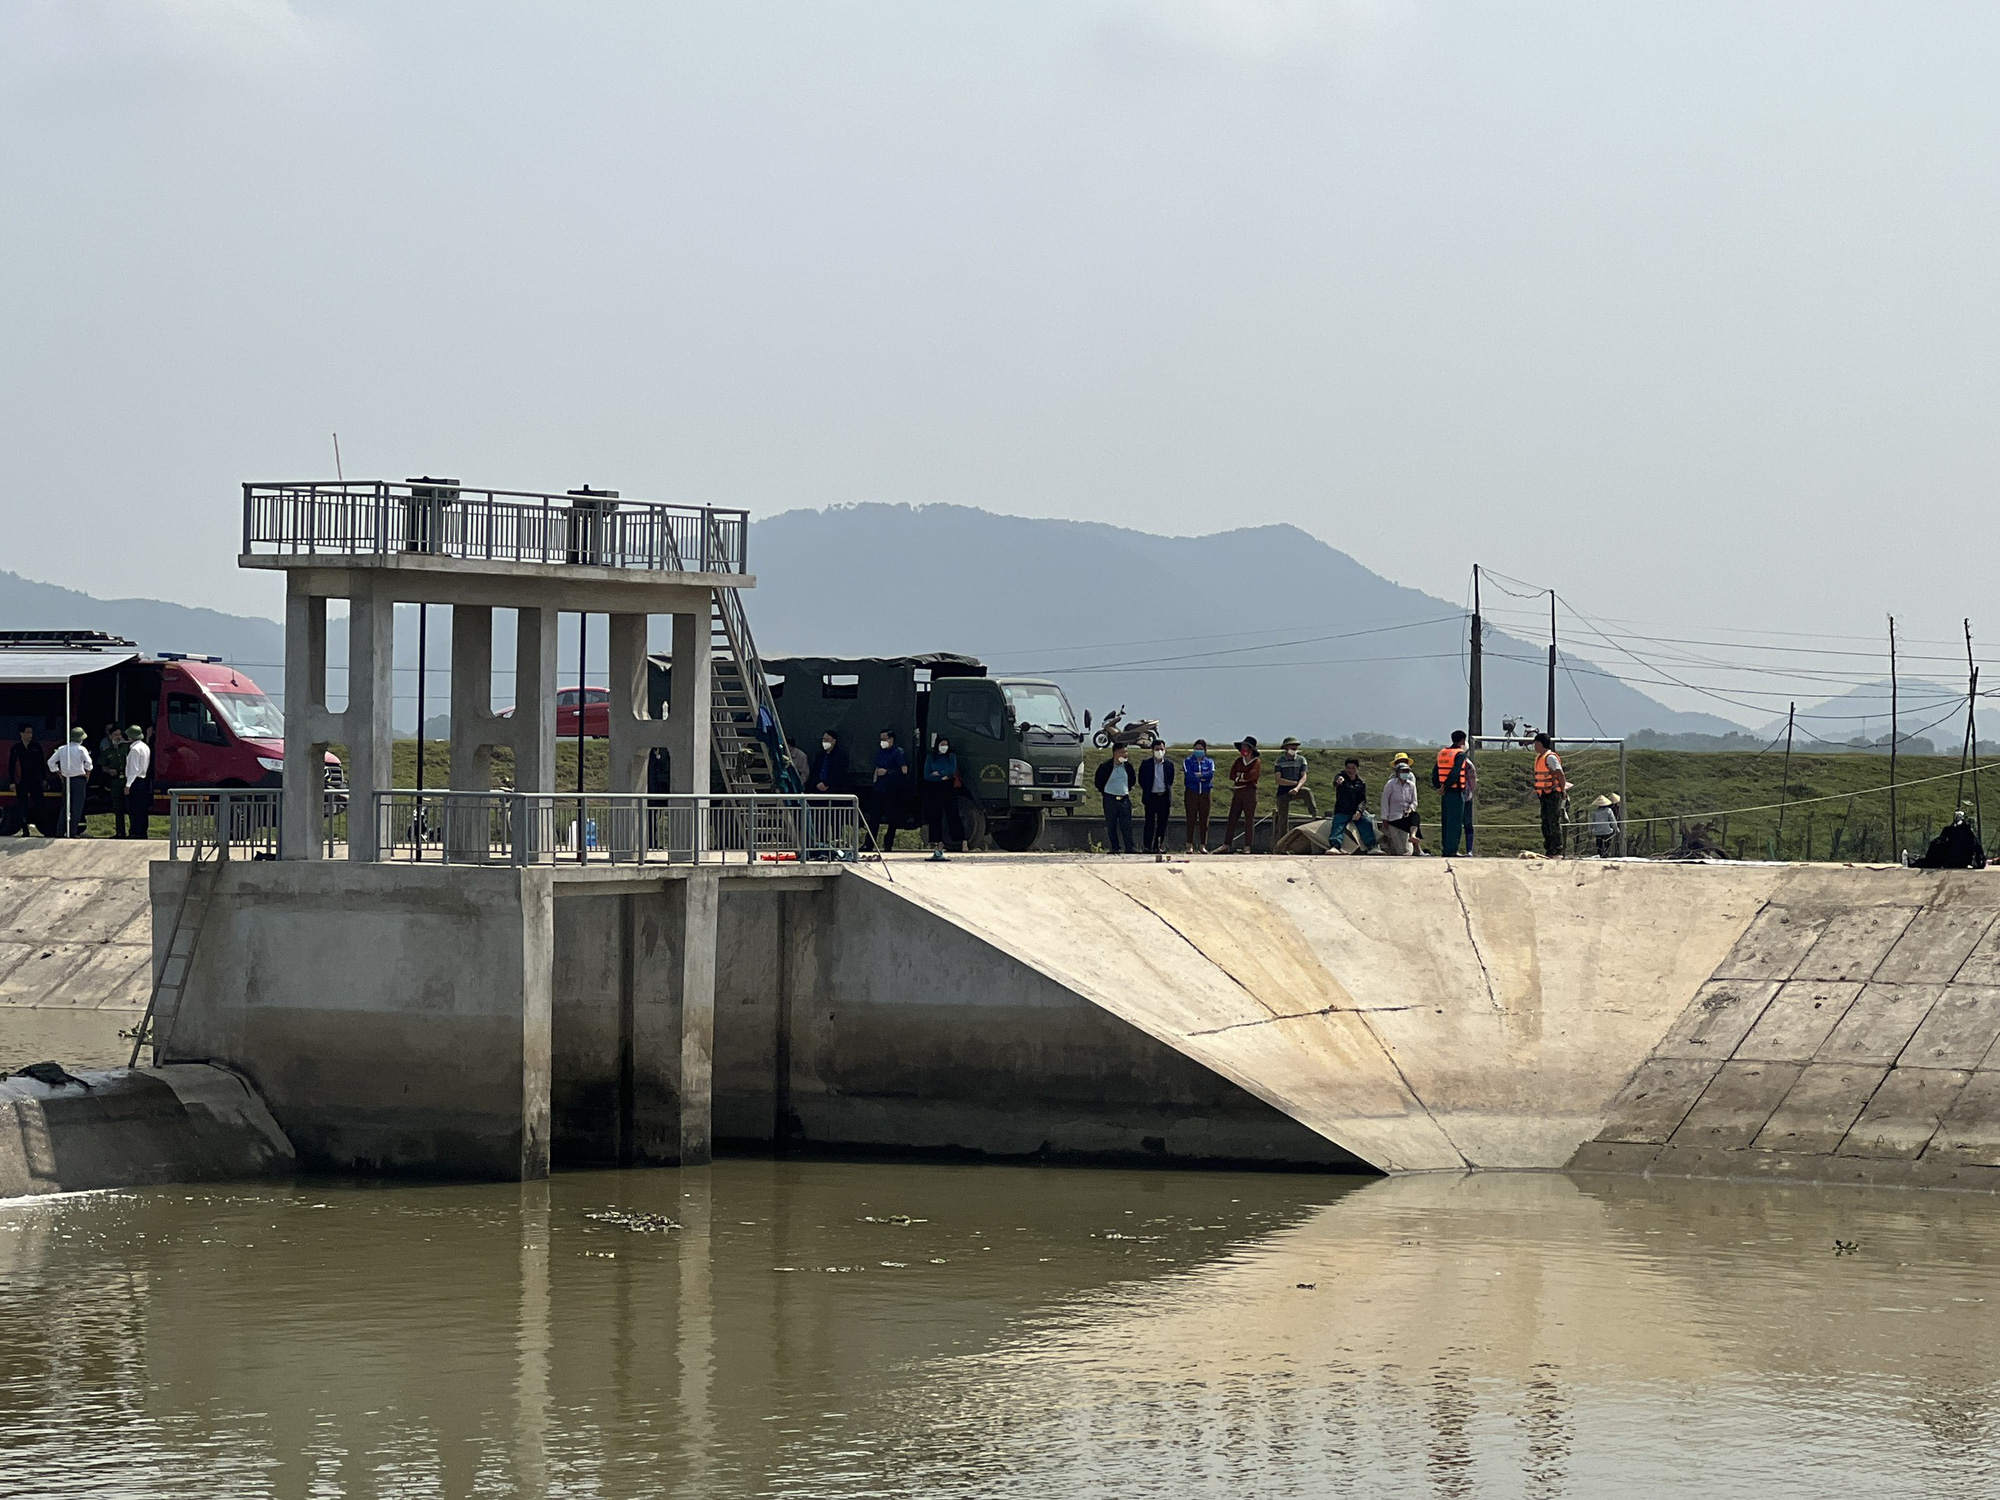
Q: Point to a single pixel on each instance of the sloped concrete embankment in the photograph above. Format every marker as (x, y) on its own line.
(1757, 1021)
(76, 948)
(131, 1127)
(1422, 1014)
(1848, 1036)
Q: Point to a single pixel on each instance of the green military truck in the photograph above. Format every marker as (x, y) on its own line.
(1019, 746)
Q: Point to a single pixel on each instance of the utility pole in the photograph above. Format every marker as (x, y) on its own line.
(1972, 734)
(1550, 727)
(1475, 708)
(1785, 780)
(1895, 828)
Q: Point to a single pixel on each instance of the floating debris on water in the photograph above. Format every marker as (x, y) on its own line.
(892, 1219)
(619, 1218)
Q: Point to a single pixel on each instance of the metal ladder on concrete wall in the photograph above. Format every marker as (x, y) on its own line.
(170, 978)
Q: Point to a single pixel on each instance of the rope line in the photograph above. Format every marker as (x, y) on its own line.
(1725, 812)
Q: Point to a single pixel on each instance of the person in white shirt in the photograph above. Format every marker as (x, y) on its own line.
(138, 783)
(72, 762)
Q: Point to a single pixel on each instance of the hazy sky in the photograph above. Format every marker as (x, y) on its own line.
(1688, 309)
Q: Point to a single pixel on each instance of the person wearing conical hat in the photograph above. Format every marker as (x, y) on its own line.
(1604, 824)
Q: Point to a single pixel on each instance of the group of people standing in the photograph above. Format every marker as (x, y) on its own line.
(1351, 828)
(124, 762)
(941, 783)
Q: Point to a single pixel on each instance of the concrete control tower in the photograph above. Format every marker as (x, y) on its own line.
(490, 977)
(428, 541)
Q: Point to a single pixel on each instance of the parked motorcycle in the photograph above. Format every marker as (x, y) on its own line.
(1116, 729)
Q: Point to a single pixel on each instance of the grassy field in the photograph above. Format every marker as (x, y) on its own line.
(1838, 808)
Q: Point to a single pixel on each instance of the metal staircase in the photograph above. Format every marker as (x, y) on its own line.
(746, 737)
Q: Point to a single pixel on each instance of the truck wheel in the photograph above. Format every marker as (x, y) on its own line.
(972, 818)
(1018, 833)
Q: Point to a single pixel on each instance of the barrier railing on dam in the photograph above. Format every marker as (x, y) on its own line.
(547, 828)
(544, 828)
(371, 518)
(238, 822)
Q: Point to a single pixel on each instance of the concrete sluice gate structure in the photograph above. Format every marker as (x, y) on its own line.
(1757, 1020)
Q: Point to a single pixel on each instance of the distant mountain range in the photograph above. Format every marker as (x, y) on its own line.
(1262, 630)
(155, 624)
(1933, 710)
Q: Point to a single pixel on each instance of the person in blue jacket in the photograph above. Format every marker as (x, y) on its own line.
(941, 798)
(892, 771)
(1197, 783)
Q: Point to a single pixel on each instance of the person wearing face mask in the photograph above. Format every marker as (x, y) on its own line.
(892, 770)
(1156, 792)
(1400, 829)
(1197, 786)
(828, 772)
(1114, 784)
(941, 798)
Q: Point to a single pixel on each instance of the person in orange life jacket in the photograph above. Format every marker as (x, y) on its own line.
(1453, 776)
(941, 798)
(1244, 773)
(1115, 780)
(1551, 788)
(1197, 782)
(1156, 792)
(892, 769)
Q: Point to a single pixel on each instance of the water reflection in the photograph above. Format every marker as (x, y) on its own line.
(829, 1330)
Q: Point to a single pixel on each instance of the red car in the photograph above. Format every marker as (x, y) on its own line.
(596, 713)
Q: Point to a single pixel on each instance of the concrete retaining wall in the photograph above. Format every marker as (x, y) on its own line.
(394, 1018)
(851, 1018)
(134, 1127)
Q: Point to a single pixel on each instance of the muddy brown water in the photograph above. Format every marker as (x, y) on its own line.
(823, 1329)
